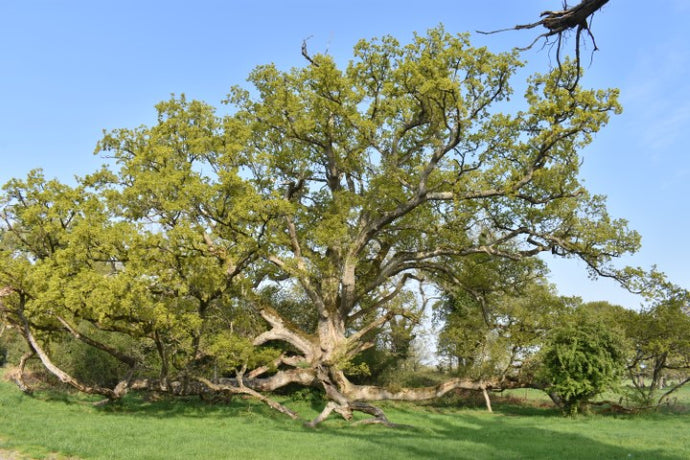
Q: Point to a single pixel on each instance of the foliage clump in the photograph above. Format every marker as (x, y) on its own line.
(581, 360)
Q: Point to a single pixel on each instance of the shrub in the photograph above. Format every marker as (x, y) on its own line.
(580, 360)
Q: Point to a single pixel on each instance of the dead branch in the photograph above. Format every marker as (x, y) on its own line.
(305, 53)
(559, 22)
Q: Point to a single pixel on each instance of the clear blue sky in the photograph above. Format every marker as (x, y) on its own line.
(69, 69)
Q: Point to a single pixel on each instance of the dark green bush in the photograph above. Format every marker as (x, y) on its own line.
(581, 360)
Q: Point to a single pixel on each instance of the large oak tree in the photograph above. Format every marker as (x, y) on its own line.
(344, 188)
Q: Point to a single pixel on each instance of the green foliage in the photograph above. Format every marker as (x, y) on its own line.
(495, 317)
(12, 347)
(659, 361)
(231, 352)
(93, 366)
(392, 352)
(309, 394)
(88, 364)
(582, 359)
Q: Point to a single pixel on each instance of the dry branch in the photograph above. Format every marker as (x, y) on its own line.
(558, 22)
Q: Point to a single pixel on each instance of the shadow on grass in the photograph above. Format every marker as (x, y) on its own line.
(514, 431)
(169, 407)
(465, 436)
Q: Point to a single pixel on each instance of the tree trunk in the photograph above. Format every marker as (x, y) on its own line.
(556, 399)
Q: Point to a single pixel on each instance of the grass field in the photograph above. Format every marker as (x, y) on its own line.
(58, 426)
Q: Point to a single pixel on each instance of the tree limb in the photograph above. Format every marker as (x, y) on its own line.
(559, 22)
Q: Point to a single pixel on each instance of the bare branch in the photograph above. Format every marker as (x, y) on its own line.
(280, 330)
(559, 22)
(305, 53)
(130, 361)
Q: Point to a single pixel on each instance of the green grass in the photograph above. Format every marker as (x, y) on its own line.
(52, 423)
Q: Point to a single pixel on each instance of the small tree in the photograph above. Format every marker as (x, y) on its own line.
(661, 340)
(581, 360)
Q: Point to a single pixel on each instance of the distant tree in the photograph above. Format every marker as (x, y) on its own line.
(660, 360)
(497, 317)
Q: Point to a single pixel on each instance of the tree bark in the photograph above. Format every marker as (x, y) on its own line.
(487, 400)
(374, 393)
(17, 375)
(59, 373)
(242, 389)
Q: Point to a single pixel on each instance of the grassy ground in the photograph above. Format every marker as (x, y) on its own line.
(58, 426)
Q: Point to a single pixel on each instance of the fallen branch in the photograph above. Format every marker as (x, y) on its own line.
(616, 408)
(56, 371)
(242, 389)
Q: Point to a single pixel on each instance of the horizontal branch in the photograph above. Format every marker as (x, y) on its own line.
(374, 393)
(303, 376)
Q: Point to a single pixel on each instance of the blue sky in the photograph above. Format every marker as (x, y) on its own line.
(69, 69)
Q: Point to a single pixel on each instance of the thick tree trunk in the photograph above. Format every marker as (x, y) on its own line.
(324, 355)
(332, 340)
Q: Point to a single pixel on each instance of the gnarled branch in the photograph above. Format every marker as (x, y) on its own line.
(559, 22)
